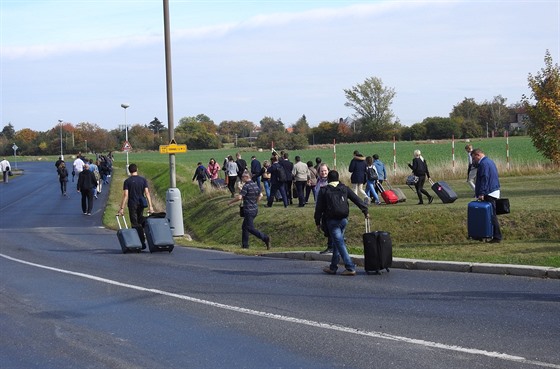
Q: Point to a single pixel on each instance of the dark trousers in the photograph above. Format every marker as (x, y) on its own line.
(277, 186)
(87, 200)
(231, 184)
(63, 186)
(300, 188)
(137, 220)
(249, 228)
(288, 189)
(495, 223)
(420, 189)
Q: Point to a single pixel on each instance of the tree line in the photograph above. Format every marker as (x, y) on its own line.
(372, 120)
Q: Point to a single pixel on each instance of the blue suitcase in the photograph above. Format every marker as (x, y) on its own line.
(479, 220)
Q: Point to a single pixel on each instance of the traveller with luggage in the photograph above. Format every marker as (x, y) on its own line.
(420, 169)
(332, 204)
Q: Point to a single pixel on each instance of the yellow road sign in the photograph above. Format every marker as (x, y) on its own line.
(172, 149)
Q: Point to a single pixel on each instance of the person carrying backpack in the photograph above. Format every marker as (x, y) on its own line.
(332, 204)
(200, 174)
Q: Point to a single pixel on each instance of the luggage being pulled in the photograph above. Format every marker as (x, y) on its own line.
(158, 233)
(218, 183)
(378, 250)
(388, 195)
(479, 220)
(128, 237)
(400, 194)
(444, 191)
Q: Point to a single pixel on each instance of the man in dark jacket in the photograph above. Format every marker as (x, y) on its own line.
(86, 185)
(277, 177)
(288, 168)
(332, 205)
(256, 171)
(487, 187)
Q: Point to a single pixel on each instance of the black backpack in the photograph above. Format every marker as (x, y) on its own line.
(280, 173)
(371, 174)
(337, 201)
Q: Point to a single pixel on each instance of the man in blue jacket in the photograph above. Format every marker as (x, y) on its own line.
(487, 187)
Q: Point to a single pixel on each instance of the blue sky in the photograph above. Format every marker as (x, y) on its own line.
(233, 60)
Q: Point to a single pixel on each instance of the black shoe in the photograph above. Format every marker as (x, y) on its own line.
(495, 240)
(420, 203)
(244, 247)
(328, 250)
(267, 243)
(143, 246)
(430, 200)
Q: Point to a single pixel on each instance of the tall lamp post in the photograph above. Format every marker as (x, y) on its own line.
(61, 155)
(126, 106)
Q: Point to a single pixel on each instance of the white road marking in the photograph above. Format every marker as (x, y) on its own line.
(333, 327)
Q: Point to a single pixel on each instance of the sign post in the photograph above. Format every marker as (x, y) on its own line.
(14, 147)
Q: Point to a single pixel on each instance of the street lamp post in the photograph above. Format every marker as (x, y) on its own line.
(126, 106)
(61, 155)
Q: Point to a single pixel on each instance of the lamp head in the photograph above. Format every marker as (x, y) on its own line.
(124, 106)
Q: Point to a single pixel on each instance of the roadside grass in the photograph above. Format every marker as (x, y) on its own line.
(431, 232)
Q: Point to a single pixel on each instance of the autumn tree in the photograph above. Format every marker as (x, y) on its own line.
(544, 115)
(198, 132)
(372, 102)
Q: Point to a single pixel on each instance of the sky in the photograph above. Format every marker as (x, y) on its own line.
(78, 61)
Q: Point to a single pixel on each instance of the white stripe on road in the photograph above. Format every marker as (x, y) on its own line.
(311, 323)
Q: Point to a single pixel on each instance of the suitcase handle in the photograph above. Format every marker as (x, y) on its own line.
(368, 226)
(431, 182)
(119, 222)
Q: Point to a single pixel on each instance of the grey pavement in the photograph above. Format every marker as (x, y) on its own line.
(450, 266)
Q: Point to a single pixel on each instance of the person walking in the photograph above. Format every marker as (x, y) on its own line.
(265, 174)
(322, 181)
(380, 167)
(86, 185)
(5, 167)
(256, 169)
(200, 174)
(288, 166)
(311, 181)
(213, 169)
(277, 179)
(487, 187)
(420, 169)
(332, 204)
(250, 194)
(471, 169)
(62, 177)
(371, 180)
(136, 197)
(358, 178)
(300, 173)
(231, 172)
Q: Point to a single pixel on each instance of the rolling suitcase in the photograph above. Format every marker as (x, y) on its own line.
(128, 238)
(400, 194)
(218, 183)
(378, 250)
(444, 191)
(158, 234)
(388, 196)
(479, 220)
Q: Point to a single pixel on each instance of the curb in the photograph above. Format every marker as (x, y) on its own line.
(448, 266)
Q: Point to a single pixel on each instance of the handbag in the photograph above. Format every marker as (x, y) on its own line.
(411, 180)
(241, 211)
(502, 206)
(143, 202)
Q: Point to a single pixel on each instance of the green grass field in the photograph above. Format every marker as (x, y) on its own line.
(435, 232)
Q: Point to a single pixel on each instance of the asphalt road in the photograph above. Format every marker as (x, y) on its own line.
(70, 299)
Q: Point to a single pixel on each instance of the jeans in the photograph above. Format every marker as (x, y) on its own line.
(278, 186)
(308, 190)
(248, 227)
(336, 230)
(63, 186)
(266, 185)
(370, 190)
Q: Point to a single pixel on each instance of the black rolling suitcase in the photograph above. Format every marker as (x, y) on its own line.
(378, 250)
(444, 192)
(158, 233)
(128, 238)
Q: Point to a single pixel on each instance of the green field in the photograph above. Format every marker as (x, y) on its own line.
(435, 232)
